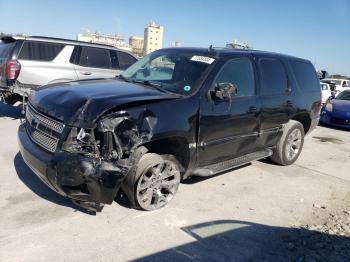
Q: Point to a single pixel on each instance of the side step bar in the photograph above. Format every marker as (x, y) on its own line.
(231, 163)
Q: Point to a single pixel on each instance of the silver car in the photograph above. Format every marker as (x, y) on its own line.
(29, 62)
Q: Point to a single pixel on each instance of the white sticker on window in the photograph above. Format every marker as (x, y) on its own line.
(203, 59)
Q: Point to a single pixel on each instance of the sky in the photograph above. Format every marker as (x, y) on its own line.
(318, 30)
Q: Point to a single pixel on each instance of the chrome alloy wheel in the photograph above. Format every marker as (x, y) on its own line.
(293, 144)
(157, 185)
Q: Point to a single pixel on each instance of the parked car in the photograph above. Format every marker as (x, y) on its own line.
(340, 84)
(29, 62)
(337, 110)
(326, 92)
(216, 109)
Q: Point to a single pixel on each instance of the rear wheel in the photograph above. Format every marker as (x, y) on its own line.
(157, 180)
(290, 144)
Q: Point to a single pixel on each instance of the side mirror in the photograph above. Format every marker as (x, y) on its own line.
(146, 72)
(223, 91)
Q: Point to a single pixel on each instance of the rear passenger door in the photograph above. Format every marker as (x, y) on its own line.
(275, 92)
(93, 62)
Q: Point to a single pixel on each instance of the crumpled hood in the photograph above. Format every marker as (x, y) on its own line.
(81, 103)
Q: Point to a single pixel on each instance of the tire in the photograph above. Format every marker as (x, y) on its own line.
(153, 183)
(290, 144)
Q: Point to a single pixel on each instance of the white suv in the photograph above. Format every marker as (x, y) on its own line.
(340, 84)
(29, 62)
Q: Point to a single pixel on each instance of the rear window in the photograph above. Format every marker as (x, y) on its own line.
(306, 75)
(95, 57)
(5, 49)
(273, 77)
(125, 60)
(40, 51)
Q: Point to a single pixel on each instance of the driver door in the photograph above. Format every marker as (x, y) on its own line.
(229, 126)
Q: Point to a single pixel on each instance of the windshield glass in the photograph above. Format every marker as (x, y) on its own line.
(345, 95)
(179, 72)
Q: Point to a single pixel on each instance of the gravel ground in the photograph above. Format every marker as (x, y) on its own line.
(260, 212)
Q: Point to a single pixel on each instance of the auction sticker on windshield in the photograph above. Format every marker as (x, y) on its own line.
(202, 59)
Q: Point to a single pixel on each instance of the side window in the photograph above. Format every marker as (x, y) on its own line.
(240, 73)
(95, 57)
(40, 51)
(114, 59)
(5, 49)
(305, 75)
(125, 60)
(324, 87)
(273, 77)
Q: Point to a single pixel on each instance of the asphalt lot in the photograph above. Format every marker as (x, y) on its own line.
(245, 214)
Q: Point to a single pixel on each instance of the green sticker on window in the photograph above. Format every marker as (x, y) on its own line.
(187, 88)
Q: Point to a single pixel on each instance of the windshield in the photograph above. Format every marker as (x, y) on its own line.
(345, 95)
(180, 73)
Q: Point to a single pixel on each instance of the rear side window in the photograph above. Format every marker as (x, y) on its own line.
(324, 87)
(273, 77)
(238, 72)
(125, 60)
(40, 51)
(95, 57)
(5, 49)
(305, 75)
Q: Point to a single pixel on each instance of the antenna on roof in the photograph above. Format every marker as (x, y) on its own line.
(211, 49)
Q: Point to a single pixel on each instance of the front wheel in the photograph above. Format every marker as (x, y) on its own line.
(157, 180)
(290, 144)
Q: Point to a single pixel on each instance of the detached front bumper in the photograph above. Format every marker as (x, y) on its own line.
(89, 182)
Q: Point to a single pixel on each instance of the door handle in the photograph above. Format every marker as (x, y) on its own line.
(86, 73)
(252, 109)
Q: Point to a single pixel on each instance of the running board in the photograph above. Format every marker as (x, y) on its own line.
(232, 163)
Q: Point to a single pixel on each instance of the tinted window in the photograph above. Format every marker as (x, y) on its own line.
(5, 49)
(40, 51)
(324, 87)
(345, 95)
(305, 75)
(125, 60)
(95, 57)
(273, 77)
(238, 72)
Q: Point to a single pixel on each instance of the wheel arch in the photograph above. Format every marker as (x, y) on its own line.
(304, 119)
(177, 146)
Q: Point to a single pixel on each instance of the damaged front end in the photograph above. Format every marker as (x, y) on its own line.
(93, 164)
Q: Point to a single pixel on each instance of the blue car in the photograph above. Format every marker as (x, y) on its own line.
(337, 110)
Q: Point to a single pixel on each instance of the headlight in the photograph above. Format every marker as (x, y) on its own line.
(329, 107)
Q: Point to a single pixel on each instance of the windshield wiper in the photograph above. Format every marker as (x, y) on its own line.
(158, 86)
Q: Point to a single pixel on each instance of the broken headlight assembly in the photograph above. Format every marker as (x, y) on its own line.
(81, 141)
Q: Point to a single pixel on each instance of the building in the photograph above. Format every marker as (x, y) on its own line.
(137, 45)
(106, 39)
(153, 38)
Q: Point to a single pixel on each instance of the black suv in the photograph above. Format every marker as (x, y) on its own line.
(175, 113)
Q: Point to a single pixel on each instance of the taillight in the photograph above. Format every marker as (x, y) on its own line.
(12, 69)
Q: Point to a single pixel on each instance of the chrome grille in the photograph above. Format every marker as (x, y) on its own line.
(44, 140)
(44, 120)
(43, 130)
